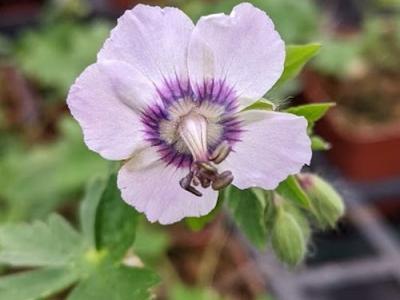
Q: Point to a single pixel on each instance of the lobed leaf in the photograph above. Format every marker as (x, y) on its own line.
(122, 283)
(51, 243)
(88, 209)
(34, 285)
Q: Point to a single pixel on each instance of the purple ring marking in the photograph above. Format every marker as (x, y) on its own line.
(214, 91)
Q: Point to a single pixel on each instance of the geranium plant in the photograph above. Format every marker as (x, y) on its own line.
(181, 106)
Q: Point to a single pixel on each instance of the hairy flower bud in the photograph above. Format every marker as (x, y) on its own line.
(327, 203)
(287, 238)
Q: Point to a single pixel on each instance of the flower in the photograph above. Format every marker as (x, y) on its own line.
(167, 97)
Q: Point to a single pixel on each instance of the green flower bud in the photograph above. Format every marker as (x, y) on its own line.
(287, 238)
(327, 203)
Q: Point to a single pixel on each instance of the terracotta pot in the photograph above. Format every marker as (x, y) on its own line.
(363, 153)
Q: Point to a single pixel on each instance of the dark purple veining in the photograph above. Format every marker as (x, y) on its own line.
(215, 91)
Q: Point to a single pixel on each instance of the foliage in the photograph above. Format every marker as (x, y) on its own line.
(283, 216)
(296, 21)
(55, 55)
(91, 259)
(101, 260)
(248, 209)
(34, 182)
(375, 47)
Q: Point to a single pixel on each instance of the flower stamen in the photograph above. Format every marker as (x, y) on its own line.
(220, 153)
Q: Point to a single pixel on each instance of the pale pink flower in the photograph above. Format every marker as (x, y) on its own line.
(167, 97)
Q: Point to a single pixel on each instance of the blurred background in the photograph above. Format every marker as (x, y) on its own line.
(44, 164)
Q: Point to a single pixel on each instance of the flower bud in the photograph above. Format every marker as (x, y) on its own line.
(327, 203)
(287, 238)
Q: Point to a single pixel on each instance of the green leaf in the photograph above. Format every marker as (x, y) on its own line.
(122, 283)
(296, 57)
(116, 221)
(65, 45)
(262, 104)
(248, 210)
(34, 183)
(54, 243)
(291, 189)
(34, 285)
(181, 292)
(88, 209)
(319, 144)
(312, 112)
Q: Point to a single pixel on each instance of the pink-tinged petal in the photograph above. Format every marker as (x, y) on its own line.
(110, 127)
(130, 85)
(243, 48)
(273, 146)
(155, 191)
(153, 40)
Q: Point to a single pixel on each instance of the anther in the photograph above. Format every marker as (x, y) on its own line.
(220, 153)
(206, 170)
(222, 181)
(185, 184)
(205, 182)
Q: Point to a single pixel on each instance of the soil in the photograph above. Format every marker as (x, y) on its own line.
(372, 99)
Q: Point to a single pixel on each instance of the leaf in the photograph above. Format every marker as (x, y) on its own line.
(122, 283)
(319, 144)
(296, 57)
(65, 45)
(88, 209)
(35, 285)
(262, 104)
(182, 292)
(291, 189)
(54, 243)
(116, 221)
(248, 210)
(64, 167)
(312, 112)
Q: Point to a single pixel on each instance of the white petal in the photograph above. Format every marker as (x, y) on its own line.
(155, 191)
(273, 146)
(244, 49)
(110, 127)
(130, 86)
(153, 40)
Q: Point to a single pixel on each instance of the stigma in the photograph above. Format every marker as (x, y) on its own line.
(203, 171)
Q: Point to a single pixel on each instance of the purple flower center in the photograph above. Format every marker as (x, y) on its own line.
(187, 128)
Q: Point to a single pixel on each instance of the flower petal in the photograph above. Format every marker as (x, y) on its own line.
(153, 40)
(155, 191)
(110, 126)
(273, 146)
(244, 49)
(129, 85)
